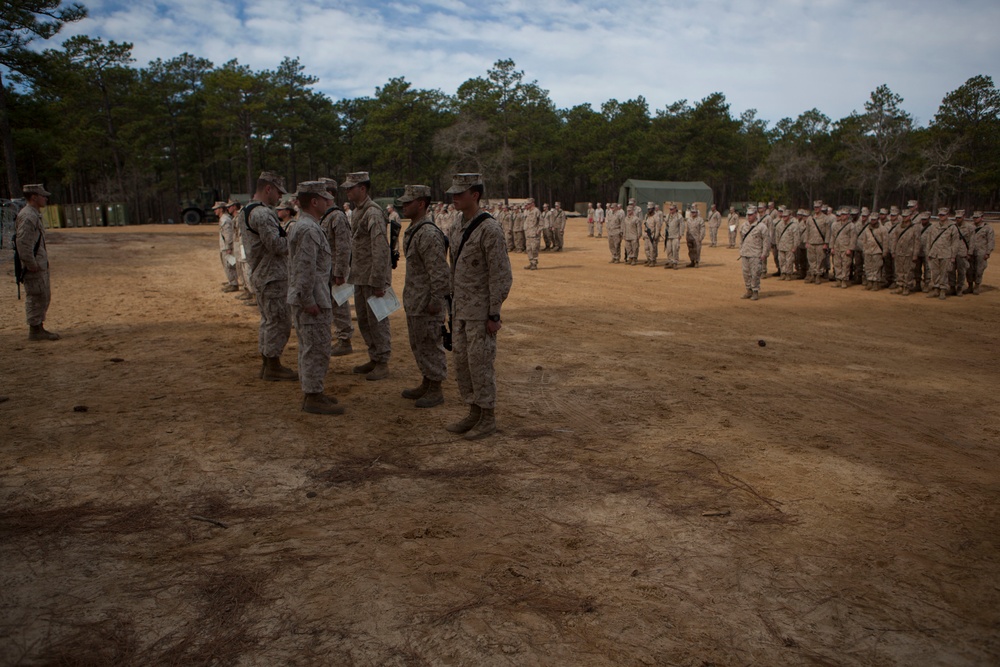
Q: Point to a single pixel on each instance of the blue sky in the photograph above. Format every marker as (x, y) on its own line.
(781, 57)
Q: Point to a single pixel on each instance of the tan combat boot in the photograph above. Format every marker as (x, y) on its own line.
(747, 294)
(342, 348)
(975, 288)
(380, 372)
(487, 426)
(466, 423)
(432, 397)
(755, 295)
(905, 291)
(364, 369)
(416, 392)
(38, 332)
(275, 372)
(931, 293)
(321, 404)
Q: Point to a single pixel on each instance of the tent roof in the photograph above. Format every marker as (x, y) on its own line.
(666, 185)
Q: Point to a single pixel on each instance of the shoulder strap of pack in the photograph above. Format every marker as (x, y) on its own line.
(468, 232)
(875, 238)
(426, 221)
(246, 215)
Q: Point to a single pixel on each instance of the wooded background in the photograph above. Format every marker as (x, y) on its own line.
(93, 127)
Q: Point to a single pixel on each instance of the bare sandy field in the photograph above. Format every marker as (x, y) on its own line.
(664, 490)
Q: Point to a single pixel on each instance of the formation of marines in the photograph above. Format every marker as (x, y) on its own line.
(905, 250)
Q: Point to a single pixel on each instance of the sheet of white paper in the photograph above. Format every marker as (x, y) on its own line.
(732, 228)
(243, 253)
(384, 306)
(341, 293)
(230, 260)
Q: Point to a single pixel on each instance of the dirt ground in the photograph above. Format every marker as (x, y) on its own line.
(663, 491)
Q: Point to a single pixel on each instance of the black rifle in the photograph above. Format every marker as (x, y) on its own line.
(20, 271)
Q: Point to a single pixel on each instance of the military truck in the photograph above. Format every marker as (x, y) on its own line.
(199, 209)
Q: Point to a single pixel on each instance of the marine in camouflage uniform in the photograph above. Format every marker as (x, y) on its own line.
(652, 230)
(941, 247)
(714, 222)
(426, 294)
(905, 248)
(599, 217)
(732, 225)
(226, 247)
(966, 248)
(873, 241)
(787, 235)
(520, 242)
(337, 229)
(843, 240)
(532, 233)
(632, 231)
(267, 259)
(371, 273)
(983, 243)
(674, 229)
(310, 266)
(558, 226)
(615, 223)
(29, 240)
(755, 243)
(480, 282)
(817, 238)
(695, 237)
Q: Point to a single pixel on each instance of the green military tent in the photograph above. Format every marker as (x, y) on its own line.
(658, 192)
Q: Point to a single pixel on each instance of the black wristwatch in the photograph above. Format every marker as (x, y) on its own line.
(493, 318)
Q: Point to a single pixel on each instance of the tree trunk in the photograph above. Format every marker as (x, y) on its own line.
(13, 182)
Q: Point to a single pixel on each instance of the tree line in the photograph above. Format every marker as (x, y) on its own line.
(92, 126)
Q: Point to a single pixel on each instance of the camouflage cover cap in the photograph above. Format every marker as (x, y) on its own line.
(894, 210)
(924, 216)
(650, 205)
(462, 182)
(412, 192)
(313, 188)
(960, 213)
(854, 211)
(36, 189)
(331, 184)
(818, 203)
(907, 213)
(882, 211)
(751, 210)
(977, 214)
(943, 210)
(355, 178)
(275, 180)
(865, 211)
(558, 204)
(286, 206)
(785, 213)
(912, 203)
(217, 205)
(233, 202)
(802, 212)
(673, 207)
